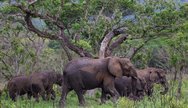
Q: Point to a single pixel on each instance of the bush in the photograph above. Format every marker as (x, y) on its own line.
(125, 103)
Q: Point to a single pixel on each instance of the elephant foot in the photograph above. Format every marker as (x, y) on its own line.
(62, 103)
(14, 100)
(135, 98)
(82, 104)
(102, 102)
(115, 99)
(132, 97)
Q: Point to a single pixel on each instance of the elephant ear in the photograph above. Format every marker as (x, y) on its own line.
(114, 67)
(161, 72)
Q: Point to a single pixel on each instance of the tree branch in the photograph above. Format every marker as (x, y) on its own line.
(43, 34)
(140, 47)
(35, 30)
(46, 17)
(106, 41)
(115, 44)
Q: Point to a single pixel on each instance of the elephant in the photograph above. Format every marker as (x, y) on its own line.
(88, 73)
(151, 76)
(42, 83)
(19, 85)
(124, 87)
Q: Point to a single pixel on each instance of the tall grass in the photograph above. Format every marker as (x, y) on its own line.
(169, 100)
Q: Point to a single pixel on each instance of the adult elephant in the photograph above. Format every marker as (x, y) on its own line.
(86, 73)
(42, 84)
(152, 76)
(19, 85)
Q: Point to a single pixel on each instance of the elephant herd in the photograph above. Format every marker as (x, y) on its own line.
(115, 76)
(39, 83)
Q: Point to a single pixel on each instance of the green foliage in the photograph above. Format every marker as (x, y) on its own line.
(54, 44)
(156, 101)
(84, 44)
(70, 10)
(162, 22)
(125, 103)
(7, 9)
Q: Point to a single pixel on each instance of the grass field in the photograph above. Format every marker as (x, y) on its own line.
(157, 101)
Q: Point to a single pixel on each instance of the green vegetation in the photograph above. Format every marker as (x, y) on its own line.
(48, 33)
(156, 101)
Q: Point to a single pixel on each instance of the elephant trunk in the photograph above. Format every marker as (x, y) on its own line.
(165, 85)
(134, 73)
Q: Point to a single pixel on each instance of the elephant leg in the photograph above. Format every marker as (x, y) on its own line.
(65, 91)
(29, 94)
(36, 96)
(113, 93)
(149, 89)
(125, 92)
(53, 94)
(150, 92)
(103, 97)
(133, 87)
(80, 95)
(43, 94)
(12, 95)
(48, 94)
(109, 87)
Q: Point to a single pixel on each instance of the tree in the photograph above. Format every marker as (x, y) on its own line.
(96, 28)
(96, 21)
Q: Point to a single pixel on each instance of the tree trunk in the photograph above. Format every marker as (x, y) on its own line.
(106, 48)
(115, 44)
(65, 48)
(105, 43)
(179, 85)
(175, 75)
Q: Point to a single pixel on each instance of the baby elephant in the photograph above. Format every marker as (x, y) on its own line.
(19, 85)
(42, 84)
(124, 87)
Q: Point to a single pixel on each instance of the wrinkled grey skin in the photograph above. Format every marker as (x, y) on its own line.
(86, 73)
(42, 84)
(19, 85)
(152, 76)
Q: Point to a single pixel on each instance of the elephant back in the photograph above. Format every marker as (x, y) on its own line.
(85, 65)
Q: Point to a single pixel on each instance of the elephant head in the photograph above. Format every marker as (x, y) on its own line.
(158, 76)
(121, 67)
